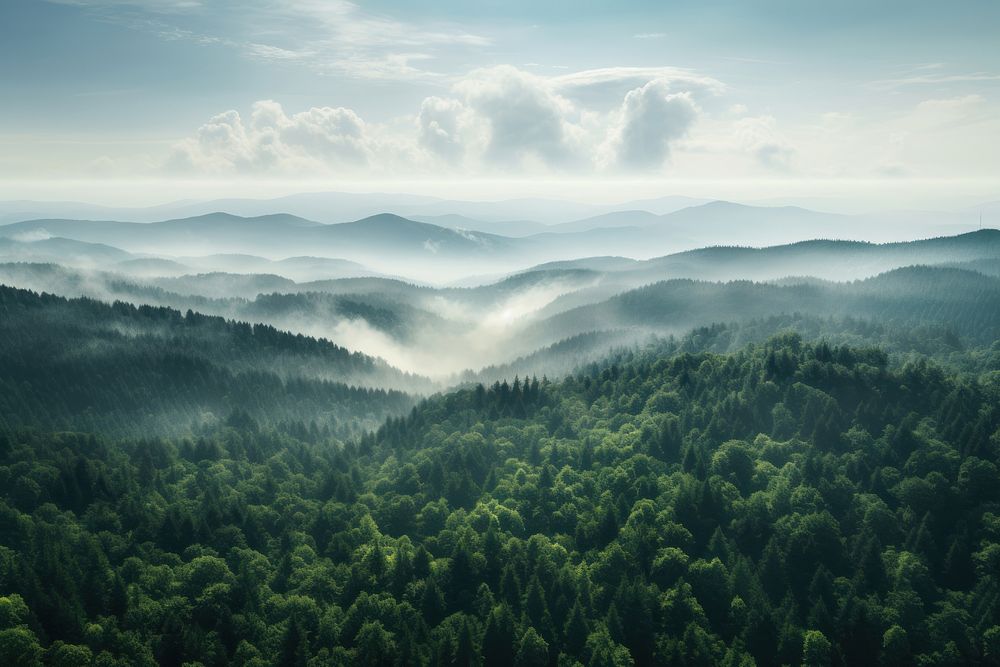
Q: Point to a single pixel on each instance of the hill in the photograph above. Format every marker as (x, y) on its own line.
(967, 301)
(118, 368)
(789, 499)
(61, 250)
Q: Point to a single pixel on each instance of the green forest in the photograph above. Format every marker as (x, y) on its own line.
(790, 501)
(120, 369)
(489, 333)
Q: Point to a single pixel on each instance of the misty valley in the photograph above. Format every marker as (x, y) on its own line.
(384, 430)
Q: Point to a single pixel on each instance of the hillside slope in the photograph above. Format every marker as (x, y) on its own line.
(764, 507)
(83, 364)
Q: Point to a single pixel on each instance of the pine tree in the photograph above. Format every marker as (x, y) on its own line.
(536, 609)
(510, 588)
(532, 651)
(499, 640)
(576, 631)
(432, 602)
(465, 652)
(295, 647)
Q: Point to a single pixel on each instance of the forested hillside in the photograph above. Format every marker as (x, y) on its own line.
(907, 297)
(789, 503)
(81, 364)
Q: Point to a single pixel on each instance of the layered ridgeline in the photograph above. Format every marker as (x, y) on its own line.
(116, 368)
(966, 300)
(790, 503)
(394, 244)
(604, 304)
(178, 486)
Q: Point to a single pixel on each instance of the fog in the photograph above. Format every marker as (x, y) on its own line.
(386, 286)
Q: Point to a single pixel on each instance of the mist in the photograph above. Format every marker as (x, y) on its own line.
(387, 295)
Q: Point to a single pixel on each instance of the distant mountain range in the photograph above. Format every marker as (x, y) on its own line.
(438, 331)
(966, 301)
(390, 244)
(334, 207)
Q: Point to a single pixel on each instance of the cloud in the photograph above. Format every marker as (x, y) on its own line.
(607, 85)
(388, 67)
(32, 235)
(497, 119)
(527, 120)
(329, 36)
(758, 136)
(651, 120)
(949, 113)
(440, 125)
(320, 137)
(155, 6)
(942, 137)
(933, 79)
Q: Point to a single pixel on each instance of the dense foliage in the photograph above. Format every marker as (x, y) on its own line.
(80, 364)
(906, 297)
(789, 503)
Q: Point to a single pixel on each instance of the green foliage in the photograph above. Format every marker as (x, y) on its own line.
(79, 364)
(787, 503)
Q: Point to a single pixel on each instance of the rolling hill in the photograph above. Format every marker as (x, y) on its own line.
(966, 301)
(143, 370)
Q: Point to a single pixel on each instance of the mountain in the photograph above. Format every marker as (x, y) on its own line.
(832, 260)
(728, 223)
(439, 331)
(389, 233)
(118, 368)
(391, 244)
(152, 267)
(199, 235)
(641, 234)
(609, 220)
(513, 228)
(301, 268)
(61, 250)
(657, 205)
(607, 264)
(967, 302)
(660, 488)
(990, 267)
(836, 260)
(327, 207)
(382, 239)
(334, 207)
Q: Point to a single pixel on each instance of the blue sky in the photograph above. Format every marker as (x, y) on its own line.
(384, 90)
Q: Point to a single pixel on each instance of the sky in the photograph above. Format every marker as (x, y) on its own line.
(127, 100)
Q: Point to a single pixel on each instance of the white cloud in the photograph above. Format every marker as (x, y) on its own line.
(440, 125)
(498, 119)
(651, 120)
(156, 6)
(759, 136)
(329, 36)
(609, 84)
(321, 137)
(942, 137)
(32, 235)
(949, 112)
(528, 121)
(934, 79)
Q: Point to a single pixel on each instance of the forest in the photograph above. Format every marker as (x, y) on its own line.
(375, 333)
(791, 501)
(80, 364)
